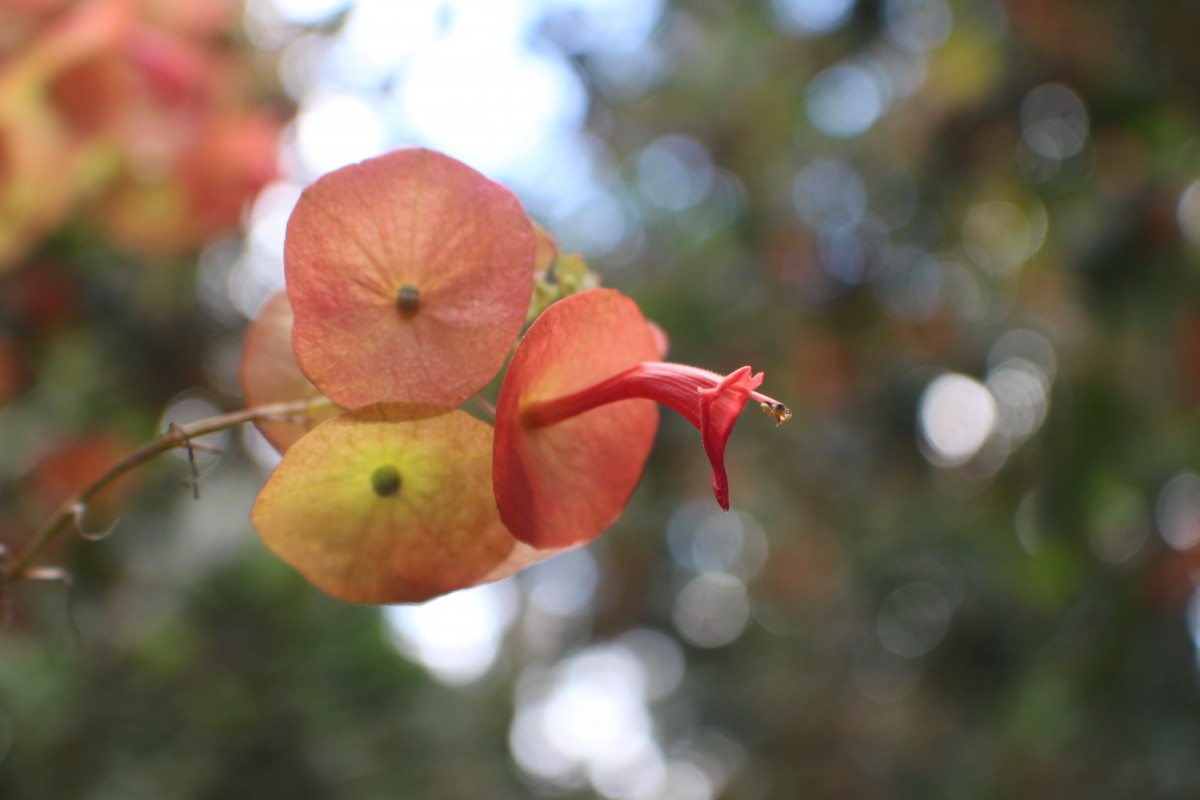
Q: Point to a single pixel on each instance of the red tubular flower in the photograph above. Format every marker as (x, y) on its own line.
(568, 453)
(709, 401)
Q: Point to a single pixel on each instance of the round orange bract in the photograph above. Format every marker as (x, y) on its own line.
(565, 483)
(389, 503)
(270, 374)
(412, 218)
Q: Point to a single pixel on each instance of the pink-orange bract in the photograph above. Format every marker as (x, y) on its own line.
(388, 503)
(269, 373)
(563, 484)
(567, 451)
(410, 275)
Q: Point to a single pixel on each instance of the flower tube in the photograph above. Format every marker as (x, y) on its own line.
(709, 401)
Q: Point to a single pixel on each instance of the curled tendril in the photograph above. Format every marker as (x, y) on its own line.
(78, 514)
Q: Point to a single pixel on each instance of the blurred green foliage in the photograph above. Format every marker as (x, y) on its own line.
(1014, 625)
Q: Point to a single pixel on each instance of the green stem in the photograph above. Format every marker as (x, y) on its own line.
(174, 437)
(485, 407)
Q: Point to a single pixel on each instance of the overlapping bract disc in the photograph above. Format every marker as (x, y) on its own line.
(410, 275)
(564, 483)
(270, 374)
(389, 503)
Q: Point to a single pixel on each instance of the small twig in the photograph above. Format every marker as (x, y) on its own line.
(485, 406)
(197, 471)
(175, 427)
(175, 436)
(192, 446)
(59, 575)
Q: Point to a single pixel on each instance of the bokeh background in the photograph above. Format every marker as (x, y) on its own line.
(961, 237)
